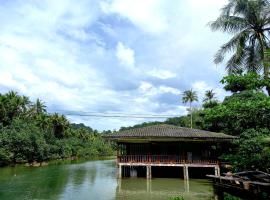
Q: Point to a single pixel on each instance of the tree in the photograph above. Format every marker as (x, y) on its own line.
(12, 105)
(239, 112)
(249, 22)
(190, 96)
(59, 125)
(39, 107)
(241, 82)
(251, 151)
(209, 96)
(209, 99)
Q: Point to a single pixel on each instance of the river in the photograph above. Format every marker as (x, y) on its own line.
(93, 180)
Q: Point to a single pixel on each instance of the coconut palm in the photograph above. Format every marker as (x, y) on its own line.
(209, 96)
(59, 125)
(249, 22)
(39, 107)
(190, 96)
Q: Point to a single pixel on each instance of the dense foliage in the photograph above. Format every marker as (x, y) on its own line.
(29, 134)
(252, 151)
(239, 112)
(246, 114)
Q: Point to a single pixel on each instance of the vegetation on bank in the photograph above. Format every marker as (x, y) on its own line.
(29, 134)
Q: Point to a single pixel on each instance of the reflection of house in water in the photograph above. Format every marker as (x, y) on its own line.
(164, 189)
(161, 150)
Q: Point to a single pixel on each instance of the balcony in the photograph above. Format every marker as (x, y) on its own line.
(163, 159)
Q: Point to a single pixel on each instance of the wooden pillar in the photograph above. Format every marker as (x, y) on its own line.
(148, 172)
(217, 171)
(148, 186)
(186, 186)
(186, 176)
(119, 171)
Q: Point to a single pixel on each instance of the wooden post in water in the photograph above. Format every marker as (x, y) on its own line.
(186, 176)
(148, 172)
(119, 171)
(217, 171)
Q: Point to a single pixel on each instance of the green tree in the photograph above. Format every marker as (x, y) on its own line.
(39, 107)
(209, 96)
(241, 82)
(190, 96)
(250, 151)
(249, 22)
(239, 112)
(209, 100)
(12, 105)
(59, 125)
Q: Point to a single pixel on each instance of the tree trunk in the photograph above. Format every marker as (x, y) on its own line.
(265, 65)
(190, 115)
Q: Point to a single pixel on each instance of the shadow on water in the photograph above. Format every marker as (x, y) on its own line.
(93, 180)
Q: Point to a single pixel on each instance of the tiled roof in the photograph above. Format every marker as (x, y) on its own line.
(167, 131)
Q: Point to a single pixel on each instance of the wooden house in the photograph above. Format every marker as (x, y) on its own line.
(168, 146)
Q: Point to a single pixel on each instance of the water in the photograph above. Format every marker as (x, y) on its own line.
(93, 180)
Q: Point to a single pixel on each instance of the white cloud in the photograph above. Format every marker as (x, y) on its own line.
(148, 15)
(162, 74)
(125, 55)
(148, 89)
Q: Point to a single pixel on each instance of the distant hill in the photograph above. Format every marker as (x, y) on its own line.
(182, 121)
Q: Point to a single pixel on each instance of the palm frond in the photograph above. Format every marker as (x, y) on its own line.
(236, 42)
(230, 24)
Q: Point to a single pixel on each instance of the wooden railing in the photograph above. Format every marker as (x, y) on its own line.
(164, 159)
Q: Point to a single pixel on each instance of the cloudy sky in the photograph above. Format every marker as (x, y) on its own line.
(109, 56)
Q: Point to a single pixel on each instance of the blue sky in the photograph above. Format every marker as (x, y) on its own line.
(110, 56)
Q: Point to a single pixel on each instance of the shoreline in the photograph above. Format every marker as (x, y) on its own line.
(60, 161)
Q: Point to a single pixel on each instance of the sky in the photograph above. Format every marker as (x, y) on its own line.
(110, 56)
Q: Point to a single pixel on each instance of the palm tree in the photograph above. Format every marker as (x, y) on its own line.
(249, 22)
(190, 96)
(59, 125)
(209, 96)
(39, 107)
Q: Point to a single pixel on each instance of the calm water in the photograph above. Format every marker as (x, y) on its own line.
(93, 180)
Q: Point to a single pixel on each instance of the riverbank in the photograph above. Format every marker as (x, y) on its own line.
(71, 160)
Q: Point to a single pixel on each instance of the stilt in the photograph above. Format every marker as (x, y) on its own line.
(119, 171)
(119, 181)
(148, 185)
(148, 172)
(217, 171)
(185, 168)
(186, 186)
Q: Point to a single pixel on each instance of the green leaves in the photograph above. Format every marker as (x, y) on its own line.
(241, 82)
(251, 152)
(29, 134)
(241, 111)
(189, 96)
(249, 22)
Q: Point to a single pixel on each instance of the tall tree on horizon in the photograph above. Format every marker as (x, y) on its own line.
(209, 96)
(190, 96)
(249, 22)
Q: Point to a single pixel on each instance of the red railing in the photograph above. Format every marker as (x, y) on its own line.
(164, 159)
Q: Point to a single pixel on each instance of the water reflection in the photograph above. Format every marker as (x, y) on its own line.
(140, 188)
(93, 180)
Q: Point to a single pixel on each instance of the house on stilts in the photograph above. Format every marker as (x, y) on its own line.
(164, 149)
